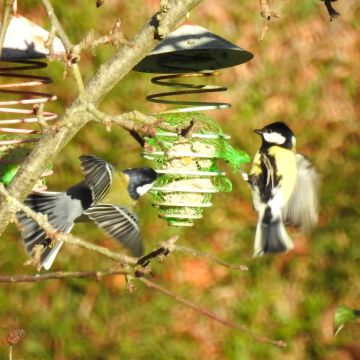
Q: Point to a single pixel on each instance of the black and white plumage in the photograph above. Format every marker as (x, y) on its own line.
(119, 223)
(284, 187)
(105, 196)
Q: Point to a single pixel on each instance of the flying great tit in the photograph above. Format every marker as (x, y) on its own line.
(105, 196)
(284, 188)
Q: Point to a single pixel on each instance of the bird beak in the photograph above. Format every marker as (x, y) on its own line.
(259, 131)
(158, 175)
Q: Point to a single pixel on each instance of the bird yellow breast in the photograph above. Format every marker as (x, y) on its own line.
(286, 168)
(118, 193)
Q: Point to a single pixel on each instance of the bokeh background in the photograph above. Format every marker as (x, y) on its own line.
(306, 73)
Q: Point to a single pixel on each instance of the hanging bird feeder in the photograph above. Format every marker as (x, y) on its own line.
(21, 101)
(188, 166)
(187, 158)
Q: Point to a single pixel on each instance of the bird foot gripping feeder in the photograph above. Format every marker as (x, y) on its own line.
(20, 103)
(186, 156)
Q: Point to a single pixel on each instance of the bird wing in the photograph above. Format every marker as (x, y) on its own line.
(119, 223)
(302, 208)
(98, 176)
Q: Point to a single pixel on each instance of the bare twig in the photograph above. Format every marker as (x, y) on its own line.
(13, 337)
(169, 246)
(39, 112)
(133, 120)
(97, 275)
(161, 29)
(210, 257)
(136, 122)
(57, 25)
(265, 10)
(115, 37)
(166, 247)
(267, 14)
(264, 29)
(71, 59)
(50, 40)
(6, 18)
(211, 315)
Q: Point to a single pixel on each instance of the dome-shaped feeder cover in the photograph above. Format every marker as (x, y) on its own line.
(26, 40)
(192, 48)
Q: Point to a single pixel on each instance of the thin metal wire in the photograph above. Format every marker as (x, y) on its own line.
(188, 89)
(19, 122)
(171, 209)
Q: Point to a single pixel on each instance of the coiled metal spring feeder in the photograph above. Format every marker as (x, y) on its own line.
(21, 102)
(187, 159)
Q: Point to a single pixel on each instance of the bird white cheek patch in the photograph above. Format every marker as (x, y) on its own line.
(274, 138)
(141, 190)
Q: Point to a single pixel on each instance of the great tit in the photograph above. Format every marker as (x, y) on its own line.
(284, 187)
(105, 196)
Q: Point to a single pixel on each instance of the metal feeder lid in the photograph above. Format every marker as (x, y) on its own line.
(26, 40)
(192, 48)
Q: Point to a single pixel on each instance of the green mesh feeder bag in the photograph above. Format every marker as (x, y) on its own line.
(187, 163)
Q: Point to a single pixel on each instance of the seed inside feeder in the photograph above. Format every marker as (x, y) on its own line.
(188, 165)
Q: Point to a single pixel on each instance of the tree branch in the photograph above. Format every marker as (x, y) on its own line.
(5, 21)
(115, 37)
(267, 14)
(210, 257)
(165, 248)
(97, 275)
(72, 61)
(132, 121)
(76, 116)
(211, 315)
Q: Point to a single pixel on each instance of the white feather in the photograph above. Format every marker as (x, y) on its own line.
(303, 206)
(141, 190)
(274, 138)
(48, 261)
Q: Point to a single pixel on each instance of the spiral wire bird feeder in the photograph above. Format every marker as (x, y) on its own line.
(187, 159)
(21, 106)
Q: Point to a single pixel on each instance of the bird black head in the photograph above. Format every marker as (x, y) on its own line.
(277, 133)
(140, 180)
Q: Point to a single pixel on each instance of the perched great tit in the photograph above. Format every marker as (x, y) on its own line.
(284, 187)
(105, 196)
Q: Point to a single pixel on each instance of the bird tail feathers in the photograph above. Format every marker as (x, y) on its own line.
(34, 237)
(271, 235)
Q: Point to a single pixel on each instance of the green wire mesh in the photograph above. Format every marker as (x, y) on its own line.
(11, 156)
(186, 156)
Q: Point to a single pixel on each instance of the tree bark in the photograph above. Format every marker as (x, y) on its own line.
(76, 116)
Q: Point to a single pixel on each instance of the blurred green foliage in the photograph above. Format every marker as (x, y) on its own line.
(304, 72)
